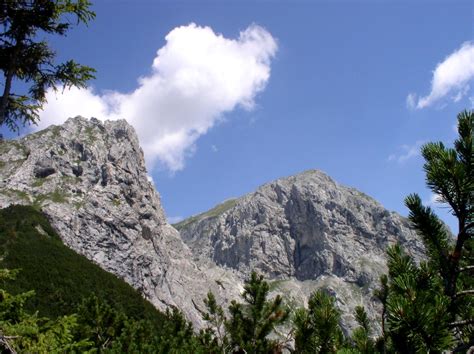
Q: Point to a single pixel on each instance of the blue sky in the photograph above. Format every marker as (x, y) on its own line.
(315, 85)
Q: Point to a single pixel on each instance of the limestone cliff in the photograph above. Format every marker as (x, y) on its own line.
(302, 232)
(90, 179)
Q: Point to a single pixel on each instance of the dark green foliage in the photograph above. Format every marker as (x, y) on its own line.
(417, 309)
(450, 174)
(249, 325)
(26, 59)
(97, 327)
(25, 332)
(317, 329)
(214, 337)
(99, 322)
(430, 307)
(114, 319)
(109, 330)
(361, 335)
(251, 322)
(434, 233)
(60, 277)
(177, 335)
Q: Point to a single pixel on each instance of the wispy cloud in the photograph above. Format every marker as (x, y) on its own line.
(451, 78)
(175, 219)
(407, 152)
(196, 77)
(411, 100)
(433, 200)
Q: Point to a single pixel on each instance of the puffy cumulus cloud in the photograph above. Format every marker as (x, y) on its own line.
(451, 77)
(195, 78)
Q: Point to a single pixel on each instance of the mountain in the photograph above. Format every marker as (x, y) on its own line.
(305, 231)
(303, 226)
(302, 232)
(89, 179)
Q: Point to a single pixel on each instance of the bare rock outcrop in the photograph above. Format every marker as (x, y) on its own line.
(304, 232)
(90, 179)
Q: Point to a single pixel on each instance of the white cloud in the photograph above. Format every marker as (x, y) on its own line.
(452, 76)
(150, 179)
(411, 101)
(461, 93)
(175, 219)
(407, 152)
(196, 77)
(214, 148)
(433, 201)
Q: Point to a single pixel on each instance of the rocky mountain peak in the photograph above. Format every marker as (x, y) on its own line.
(302, 226)
(302, 232)
(89, 178)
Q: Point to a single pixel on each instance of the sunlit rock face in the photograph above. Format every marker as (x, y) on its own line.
(89, 178)
(303, 232)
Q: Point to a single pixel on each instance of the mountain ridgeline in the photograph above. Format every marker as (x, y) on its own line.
(302, 232)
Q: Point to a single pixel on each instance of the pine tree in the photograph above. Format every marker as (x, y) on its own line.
(31, 61)
(417, 309)
(317, 329)
(249, 325)
(429, 307)
(361, 336)
(177, 335)
(214, 337)
(99, 322)
(450, 175)
(24, 332)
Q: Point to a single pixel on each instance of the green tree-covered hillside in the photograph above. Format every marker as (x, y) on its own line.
(60, 277)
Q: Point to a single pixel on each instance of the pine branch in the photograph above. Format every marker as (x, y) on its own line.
(464, 292)
(6, 345)
(468, 226)
(464, 347)
(461, 323)
(466, 268)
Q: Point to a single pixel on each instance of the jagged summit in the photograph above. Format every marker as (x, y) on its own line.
(306, 231)
(302, 226)
(302, 232)
(313, 177)
(89, 178)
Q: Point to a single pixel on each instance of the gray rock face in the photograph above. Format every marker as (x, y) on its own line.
(89, 178)
(304, 226)
(304, 231)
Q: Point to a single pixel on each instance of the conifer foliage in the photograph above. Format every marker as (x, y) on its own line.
(317, 328)
(21, 331)
(430, 307)
(427, 306)
(250, 324)
(26, 59)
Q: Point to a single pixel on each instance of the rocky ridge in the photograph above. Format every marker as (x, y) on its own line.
(302, 232)
(90, 180)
